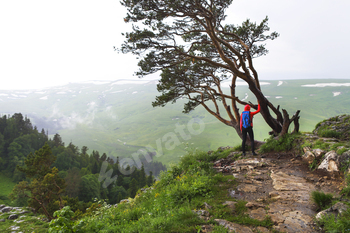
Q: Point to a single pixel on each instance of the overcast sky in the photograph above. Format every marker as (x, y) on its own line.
(50, 42)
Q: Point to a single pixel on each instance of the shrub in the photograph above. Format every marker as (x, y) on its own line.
(284, 143)
(322, 200)
(330, 223)
(313, 165)
(321, 144)
(341, 151)
(346, 190)
(63, 223)
(327, 133)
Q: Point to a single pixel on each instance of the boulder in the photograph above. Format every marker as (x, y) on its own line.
(318, 153)
(6, 209)
(24, 212)
(310, 154)
(336, 209)
(233, 227)
(338, 124)
(203, 214)
(329, 162)
(343, 159)
(2, 206)
(230, 204)
(207, 206)
(2, 220)
(254, 205)
(12, 217)
(308, 157)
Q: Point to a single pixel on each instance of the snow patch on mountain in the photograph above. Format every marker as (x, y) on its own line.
(327, 85)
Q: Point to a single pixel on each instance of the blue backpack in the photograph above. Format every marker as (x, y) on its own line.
(246, 121)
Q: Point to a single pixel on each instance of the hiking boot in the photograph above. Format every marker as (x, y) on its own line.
(254, 153)
(243, 154)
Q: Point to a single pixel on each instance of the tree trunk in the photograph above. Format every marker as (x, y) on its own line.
(280, 124)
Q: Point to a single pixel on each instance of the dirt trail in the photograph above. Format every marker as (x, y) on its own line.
(279, 185)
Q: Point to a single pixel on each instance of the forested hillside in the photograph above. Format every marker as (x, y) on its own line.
(24, 153)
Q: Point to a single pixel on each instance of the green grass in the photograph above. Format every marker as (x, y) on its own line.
(6, 186)
(27, 223)
(330, 223)
(285, 143)
(171, 204)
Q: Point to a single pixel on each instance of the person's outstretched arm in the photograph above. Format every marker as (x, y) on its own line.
(257, 111)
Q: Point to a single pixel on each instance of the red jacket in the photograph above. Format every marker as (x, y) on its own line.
(247, 108)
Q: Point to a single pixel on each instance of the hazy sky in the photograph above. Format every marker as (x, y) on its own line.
(51, 42)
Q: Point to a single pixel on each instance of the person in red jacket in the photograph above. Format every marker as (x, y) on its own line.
(247, 127)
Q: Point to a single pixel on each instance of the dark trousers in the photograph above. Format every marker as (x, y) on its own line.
(246, 131)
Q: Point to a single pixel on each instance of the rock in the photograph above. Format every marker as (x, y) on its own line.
(263, 230)
(24, 212)
(343, 159)
(12, 217)
(233, 227)
(247, 164)
(201, 212)
(2, 206)
(337, 209)
(230, 204)
(254, 205)
(2, 220)
(248, 188)
(207, 228)
(308, 157)
(305, 149)
(329, 162)
(274, 195)
(207, 206)
(339, 124)
(290, 211)
(318, 153)
(258, 214)
(6, 209)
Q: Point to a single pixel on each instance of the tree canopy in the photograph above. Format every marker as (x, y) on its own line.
(195, 50)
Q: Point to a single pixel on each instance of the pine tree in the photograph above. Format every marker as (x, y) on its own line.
(133, 188)
(46, 187)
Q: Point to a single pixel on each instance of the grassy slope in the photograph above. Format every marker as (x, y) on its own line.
(6, 186)
(170, 205)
